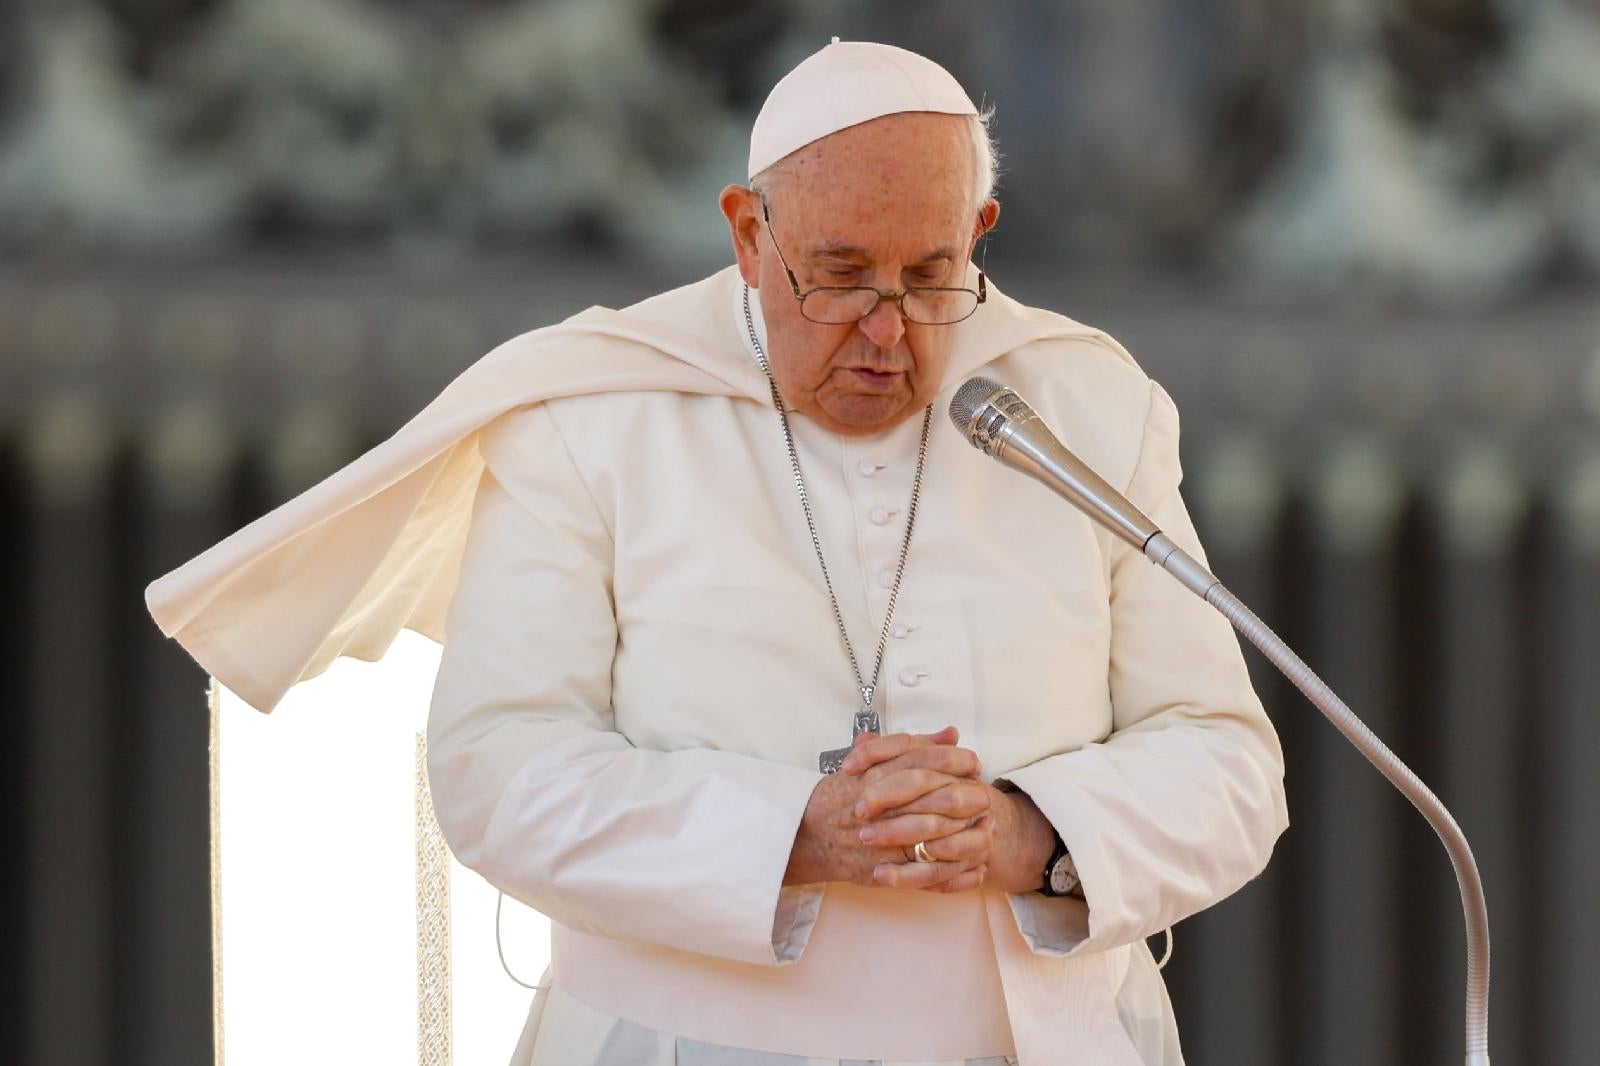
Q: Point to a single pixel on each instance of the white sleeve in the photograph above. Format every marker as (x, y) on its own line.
(1181, 804)
(535, 788)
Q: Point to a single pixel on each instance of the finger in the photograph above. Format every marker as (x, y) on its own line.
(898, 789)
(865, 753)
(966, 846)
(946, 758)
(908, 829)
(962, 882)
(874, 749)
(915, 874)
(915, 791)
(956, 798)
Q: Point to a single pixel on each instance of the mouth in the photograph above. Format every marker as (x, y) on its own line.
(876, 379)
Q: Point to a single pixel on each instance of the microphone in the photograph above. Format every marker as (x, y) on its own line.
(999, 423)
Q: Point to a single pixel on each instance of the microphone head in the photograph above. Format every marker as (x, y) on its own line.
(970, 399)
(985, 411)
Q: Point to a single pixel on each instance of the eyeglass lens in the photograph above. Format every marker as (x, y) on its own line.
(927, 306)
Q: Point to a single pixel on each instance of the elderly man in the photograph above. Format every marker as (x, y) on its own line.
(818, 737)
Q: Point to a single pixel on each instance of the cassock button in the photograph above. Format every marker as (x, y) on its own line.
(911, 678)
(879, 516)
(899, 632)
(886, 579)
(868, 467)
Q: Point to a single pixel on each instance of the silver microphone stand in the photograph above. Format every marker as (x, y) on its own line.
(1160, 550)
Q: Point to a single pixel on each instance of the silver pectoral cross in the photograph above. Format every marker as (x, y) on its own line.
(866, 721)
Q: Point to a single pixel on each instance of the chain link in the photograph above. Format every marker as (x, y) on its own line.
(868, 689)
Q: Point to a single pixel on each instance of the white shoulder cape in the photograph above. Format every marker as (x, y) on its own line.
(376, 546)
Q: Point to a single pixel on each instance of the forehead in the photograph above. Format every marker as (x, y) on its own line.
(899, 179)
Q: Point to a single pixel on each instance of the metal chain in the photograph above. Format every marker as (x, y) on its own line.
(868, 690)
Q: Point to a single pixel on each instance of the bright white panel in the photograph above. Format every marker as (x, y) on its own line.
(318, 880)
(489, 1008)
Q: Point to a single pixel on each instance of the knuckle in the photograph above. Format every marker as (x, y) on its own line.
(959, 760)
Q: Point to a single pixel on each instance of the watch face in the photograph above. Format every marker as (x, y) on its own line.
(1063, 876)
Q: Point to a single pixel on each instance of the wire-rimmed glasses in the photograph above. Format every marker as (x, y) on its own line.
(835, 305)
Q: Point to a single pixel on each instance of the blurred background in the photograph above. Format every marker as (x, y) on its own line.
(242, 241)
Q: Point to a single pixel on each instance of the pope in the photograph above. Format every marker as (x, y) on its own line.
(817, 738)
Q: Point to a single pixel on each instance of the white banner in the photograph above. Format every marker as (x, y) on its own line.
(343, 930)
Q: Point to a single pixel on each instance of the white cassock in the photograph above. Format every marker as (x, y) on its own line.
(640, 667)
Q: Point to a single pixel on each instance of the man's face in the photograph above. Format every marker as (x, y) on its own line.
(887, 203)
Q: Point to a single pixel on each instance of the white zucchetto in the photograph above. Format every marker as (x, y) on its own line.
(844, 84)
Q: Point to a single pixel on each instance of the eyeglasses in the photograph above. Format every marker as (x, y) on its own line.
(835, 305)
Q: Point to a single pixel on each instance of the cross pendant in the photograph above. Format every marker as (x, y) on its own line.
(866, 722)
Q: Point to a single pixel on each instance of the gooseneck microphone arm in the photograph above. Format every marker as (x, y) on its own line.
(997, 422)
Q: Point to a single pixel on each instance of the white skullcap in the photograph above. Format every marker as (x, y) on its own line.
(846, 83)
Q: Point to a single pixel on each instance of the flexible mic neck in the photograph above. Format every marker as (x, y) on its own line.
(999, 423)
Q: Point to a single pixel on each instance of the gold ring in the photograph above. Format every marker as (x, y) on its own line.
(921, 851)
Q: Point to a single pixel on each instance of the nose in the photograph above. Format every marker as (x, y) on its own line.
(885, 325)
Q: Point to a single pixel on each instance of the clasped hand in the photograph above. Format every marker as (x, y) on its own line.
(893, 791)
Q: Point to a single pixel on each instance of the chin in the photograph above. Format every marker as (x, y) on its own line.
(867, 414)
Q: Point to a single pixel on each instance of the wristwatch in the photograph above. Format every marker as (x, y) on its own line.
(1060, 872)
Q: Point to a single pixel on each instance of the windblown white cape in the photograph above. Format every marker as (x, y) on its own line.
(1164, 817)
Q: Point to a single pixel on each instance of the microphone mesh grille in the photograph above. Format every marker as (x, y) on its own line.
(968, 399)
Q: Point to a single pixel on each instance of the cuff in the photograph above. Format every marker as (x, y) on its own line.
(798, 907)
(1050, 925)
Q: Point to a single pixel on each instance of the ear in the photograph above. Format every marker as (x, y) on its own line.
(988, 215)
(742, 208)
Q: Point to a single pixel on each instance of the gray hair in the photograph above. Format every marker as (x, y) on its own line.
(985, 161)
